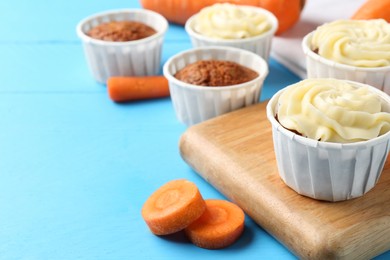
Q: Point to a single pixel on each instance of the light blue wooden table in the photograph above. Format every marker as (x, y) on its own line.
(76, 168)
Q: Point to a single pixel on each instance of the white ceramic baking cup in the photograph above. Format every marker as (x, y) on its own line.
(320, 67)
(194, 104)
(260, 44)
(324, 170)
(132, 58)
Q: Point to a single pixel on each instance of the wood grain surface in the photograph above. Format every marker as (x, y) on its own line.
(234, 153)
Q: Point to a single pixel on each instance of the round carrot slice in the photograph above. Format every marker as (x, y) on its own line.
(173, 207)
(220, 225)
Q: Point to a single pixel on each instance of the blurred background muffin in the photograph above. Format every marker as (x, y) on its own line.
(246, 27)
(124, 42)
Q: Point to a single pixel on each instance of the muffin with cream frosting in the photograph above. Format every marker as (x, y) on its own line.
(331, 137)
(357, 50)
(223, 24)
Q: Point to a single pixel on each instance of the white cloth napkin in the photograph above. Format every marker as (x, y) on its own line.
(286, 49)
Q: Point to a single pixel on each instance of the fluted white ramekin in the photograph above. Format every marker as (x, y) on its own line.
(260, 44)
(132, 58)
(324, 170)
(320, 67)
(194, 104)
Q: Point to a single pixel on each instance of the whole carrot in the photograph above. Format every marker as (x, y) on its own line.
(373, 9)
(178, 11)
(122, 89)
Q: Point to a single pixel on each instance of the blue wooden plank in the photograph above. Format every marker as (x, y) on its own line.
(73, 183)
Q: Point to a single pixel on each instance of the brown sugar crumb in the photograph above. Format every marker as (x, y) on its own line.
(121, 31)
(215, 73)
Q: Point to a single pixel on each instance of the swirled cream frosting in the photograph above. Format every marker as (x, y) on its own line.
(229, 21)
(361, 43)
(332, 110)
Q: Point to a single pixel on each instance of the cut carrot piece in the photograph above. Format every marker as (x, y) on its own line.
(122, 89)
(173, 207)
(220, 225)
(373, 9)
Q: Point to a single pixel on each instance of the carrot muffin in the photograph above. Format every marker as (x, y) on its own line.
(215, 73)
(121, 31)
(210, 81)
(344, 141)
(125, 42)
(222, 24)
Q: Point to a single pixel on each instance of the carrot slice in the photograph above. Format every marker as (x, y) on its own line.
(122, 89)
(373, 9)
(173, 207)
(220, 225)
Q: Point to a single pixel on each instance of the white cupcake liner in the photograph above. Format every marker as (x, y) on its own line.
(320, 67)
(260, 44)
(194, 104)
(324, 170)
(132, 58)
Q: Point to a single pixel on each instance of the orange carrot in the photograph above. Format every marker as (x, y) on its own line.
(173, 207)
(286, 11)
(373, 9)
(220, 225)
(121, 89)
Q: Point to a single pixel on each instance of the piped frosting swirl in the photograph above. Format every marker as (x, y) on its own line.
(361, 43)
(229, 21)
(332, 110)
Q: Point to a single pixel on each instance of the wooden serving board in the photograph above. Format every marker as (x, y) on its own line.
(234, 153)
